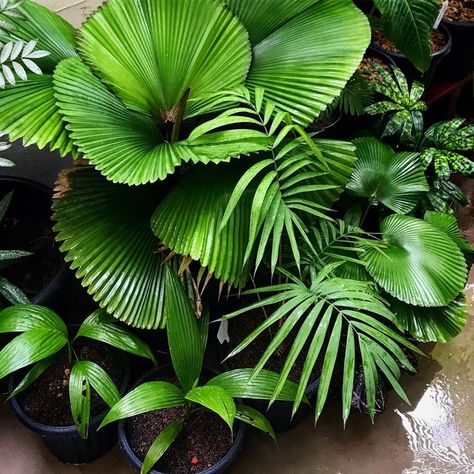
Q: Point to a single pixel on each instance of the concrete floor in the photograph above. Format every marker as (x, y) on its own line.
(434, 435)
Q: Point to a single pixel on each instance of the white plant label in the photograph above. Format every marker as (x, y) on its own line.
(223, 333)
(441, 14)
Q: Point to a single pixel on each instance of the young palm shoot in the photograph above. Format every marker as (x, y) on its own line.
(187, 340)
(43, 336)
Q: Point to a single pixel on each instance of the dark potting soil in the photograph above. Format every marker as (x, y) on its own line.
(47, 399)
(460, 10)
(241, 327)
(438, 40)
(33, 234)
(204, 440)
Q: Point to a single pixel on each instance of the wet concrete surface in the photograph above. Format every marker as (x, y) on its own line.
(434, 435)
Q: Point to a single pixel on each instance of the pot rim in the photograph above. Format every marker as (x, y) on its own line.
(445, 50)
(40, 427)
(465, 24)
(237, 443)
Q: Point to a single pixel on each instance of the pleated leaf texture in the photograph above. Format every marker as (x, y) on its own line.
(397, 180)
(142, 63)
(418, 263)
(105, 229)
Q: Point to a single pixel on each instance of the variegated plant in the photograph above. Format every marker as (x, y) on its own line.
(403, 106)
(442, 144)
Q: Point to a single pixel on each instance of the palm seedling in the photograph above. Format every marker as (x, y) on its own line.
(187, 338)
(44, 336)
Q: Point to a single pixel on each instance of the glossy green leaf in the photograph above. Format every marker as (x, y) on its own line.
(25, 317)
(148, 396)
(239, 384)
(396, 180)
(32, 375)
(106, 236)
(161, 444)
(80, 399)
(254, 418)
(409, 24)
(316, 51)
(432, 324)
(12, 293)
(184, 334)
(28, 348)
(193, 230)
(419, 264)
(215, 399)
(103, 327)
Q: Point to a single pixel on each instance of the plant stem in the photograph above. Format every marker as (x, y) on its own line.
(180, 116)
(69, 351)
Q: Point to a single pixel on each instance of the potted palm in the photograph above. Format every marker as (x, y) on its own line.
(69, 382)
(181, 418)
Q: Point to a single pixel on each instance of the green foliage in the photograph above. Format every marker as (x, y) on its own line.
(403, 108)
(43, 335)
(409, 24)
(324, 314)
(441, 145)
(185, 337)
(356, 96)
(106, 237)
(381, 175)
(417, 262)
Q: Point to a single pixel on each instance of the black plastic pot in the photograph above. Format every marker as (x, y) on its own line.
(220, 467)
(36, 197)
(279, 414)
(64, 441)
(410, 71)
(460, 63)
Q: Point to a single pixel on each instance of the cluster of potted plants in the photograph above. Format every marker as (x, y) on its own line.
(208, 197)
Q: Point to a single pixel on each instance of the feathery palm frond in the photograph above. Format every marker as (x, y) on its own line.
(327, 314)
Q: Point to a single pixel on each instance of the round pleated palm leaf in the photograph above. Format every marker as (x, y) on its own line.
(28, 110)
(151, 63)
(417, 263)
(189, 218)
(107, 238)
(431, 324)
(396, 180)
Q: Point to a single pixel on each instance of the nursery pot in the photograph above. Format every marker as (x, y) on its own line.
(411, 71)
(460, 62)
(220, 467)
(64, 441)
(32, 198)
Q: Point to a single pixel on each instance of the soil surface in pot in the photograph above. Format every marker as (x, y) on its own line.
(47, 400)
(438, 41)
(460, 10)
(204, 440)
(242, 326)
(33, 234)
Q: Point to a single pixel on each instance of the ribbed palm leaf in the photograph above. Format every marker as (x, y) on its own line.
(107, 239)
(188, 221)
(29, 109)
(168, 60)
(409, 24)
(441, 146)
(323, 316)
(417, 262)
(396, 180)
(431, 324)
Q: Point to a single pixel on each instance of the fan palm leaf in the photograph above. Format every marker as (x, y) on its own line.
(106, 237)
(28, 109)
(396, 180)
(417, 262)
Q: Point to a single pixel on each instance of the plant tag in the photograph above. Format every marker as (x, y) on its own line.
(441, 14)
(223, 333)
